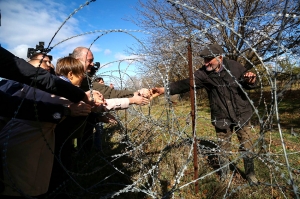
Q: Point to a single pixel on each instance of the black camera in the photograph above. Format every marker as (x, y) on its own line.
(96, 65)
(94, 68)
(39, 49)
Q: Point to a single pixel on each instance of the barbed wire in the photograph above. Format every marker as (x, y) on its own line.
(148, 154)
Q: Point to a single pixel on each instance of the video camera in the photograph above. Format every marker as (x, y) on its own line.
(94, 68)
(40, 47)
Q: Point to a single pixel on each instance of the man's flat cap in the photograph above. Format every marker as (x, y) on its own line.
(211, 51)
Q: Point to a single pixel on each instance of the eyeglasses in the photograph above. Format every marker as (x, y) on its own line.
(46, 61)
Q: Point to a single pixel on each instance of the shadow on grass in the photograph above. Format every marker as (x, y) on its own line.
(100, 173)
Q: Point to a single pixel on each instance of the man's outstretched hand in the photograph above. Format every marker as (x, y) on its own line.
(151, 93)
(157, 91)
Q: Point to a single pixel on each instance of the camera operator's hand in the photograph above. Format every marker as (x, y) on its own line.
(79, 109)
(139, 100)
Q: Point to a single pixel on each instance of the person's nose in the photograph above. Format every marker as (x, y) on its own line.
(206, 63)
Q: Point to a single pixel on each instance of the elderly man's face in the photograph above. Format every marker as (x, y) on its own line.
(87, 59)
(213, 63)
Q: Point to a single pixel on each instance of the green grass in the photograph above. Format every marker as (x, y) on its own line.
(158, 136)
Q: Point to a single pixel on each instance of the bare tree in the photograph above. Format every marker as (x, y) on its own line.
(248, 30)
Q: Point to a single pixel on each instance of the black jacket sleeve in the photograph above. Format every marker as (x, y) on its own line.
(46, 112)
(239, 71)
(183, 86)
(178, 87)
(19, 70)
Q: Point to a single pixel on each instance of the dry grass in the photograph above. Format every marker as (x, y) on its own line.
(154, 155)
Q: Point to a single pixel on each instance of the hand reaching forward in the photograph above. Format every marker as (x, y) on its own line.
(80, 109)
(95, 98)
(157, 91)
(144, 92)
(139, 100)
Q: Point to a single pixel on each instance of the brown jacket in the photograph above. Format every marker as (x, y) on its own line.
(108, 92)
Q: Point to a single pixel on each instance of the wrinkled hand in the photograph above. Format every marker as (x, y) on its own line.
(80, 109)
(95, 98)
(157, 91)
(138, 99)
(144, 92)
(250, 78)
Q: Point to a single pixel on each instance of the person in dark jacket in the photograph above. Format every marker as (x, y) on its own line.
(17, 69)
(230, 108)
(32, 143)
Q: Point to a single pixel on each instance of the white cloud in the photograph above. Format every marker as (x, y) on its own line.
(24, 23)
(107, 52)
(20, 50)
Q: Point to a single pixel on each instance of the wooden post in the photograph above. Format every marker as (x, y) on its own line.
(192, 96)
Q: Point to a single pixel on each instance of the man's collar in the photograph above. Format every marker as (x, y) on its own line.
(221, 68)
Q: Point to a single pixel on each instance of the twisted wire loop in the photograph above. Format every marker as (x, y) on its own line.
(148, 154)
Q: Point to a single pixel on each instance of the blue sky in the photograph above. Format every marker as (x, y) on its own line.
(26, 22)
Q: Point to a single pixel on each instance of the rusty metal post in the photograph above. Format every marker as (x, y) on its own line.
(125, 111)
(192, 96)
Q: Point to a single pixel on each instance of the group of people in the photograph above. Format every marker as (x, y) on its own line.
(45, 107)
(29, 147)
